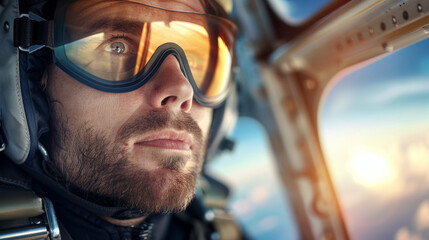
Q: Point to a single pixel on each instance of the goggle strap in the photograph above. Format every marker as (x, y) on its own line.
(29, 33)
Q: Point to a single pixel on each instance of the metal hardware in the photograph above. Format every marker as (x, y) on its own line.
(54, 230)
(6, 26)
(44, 226)
(2, 141)
(31, 232)
(43, 151)
(2, 138)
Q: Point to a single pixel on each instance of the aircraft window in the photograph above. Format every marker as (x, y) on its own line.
(297, 12)
(374, 128)
(258, 199)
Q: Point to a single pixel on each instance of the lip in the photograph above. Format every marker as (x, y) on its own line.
(169, 139)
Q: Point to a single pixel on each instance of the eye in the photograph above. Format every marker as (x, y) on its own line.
(117, 48)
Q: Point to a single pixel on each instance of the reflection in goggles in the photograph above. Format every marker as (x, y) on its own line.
(224, 65)
(142, 53)
(111, 56)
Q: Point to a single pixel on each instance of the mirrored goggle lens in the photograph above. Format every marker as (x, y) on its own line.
(116, 41)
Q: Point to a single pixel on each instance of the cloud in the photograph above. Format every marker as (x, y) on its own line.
(399, 89)
(417, 158)
(420, 230)
(378, 93)
(255, 199)
(404, 234)
(268, 223)
(242, 207)
(260, 194)
(422, 216)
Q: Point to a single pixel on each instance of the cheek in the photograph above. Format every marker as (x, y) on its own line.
(203, 116)
(66, 96)
(83, 106)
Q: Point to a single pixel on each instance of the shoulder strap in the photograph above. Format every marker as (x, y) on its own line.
(65, 235)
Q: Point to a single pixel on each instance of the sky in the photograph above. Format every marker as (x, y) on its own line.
(374, 133)
(374, 128)
(257, 198)
(297, 11)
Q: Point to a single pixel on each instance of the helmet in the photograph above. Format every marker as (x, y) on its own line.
(24, 110)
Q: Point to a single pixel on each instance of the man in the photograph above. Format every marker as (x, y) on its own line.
(129, 89)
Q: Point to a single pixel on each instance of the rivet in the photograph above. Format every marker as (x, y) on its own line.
(382, 26)
(405, 15)
(309, 84)
(419, 8)
(6, 26)
(371, 31)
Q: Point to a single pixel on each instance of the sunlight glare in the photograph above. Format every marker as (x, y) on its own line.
(370, 168)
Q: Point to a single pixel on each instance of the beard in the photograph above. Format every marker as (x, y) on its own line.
(103, 172)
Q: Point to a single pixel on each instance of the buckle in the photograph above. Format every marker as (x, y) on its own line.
(31, 32)
(43, 226)
(2, 136)
(53, 227)
(2, 141)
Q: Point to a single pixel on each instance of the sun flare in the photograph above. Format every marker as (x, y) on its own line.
(370, 168)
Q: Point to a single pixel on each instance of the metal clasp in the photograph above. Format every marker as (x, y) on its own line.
(2, 136)
(53, 227)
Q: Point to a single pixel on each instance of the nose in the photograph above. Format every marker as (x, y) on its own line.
(169, 88)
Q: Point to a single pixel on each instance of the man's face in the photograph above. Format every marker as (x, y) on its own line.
(142, 149)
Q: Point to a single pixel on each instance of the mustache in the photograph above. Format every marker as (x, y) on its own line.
(153, 120)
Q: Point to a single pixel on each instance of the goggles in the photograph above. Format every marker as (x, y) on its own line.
(117, 46)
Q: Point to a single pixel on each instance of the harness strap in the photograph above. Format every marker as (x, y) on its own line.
(65, 235)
